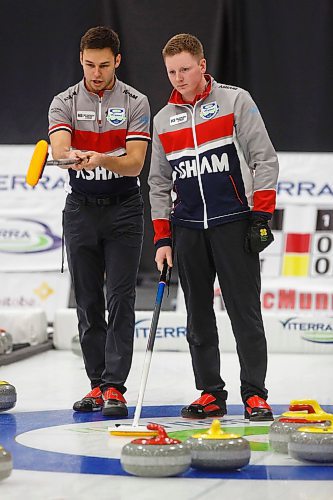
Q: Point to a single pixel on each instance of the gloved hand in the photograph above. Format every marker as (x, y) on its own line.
(259, 235)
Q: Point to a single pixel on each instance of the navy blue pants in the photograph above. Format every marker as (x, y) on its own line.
(103, 245)
(201, 255)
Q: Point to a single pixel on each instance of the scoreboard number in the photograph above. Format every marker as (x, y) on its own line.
(322, 246)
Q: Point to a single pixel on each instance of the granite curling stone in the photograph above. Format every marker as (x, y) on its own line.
(312, 444)
(76, 346)
(2, 346)
(160, 456)
(7, 396)
(281, 430)
(302, 412)
(6, 463)
(299, 407)
(216, 449)
(6, 339)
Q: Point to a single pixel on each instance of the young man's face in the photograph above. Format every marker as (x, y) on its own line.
(186, 74)
(99, 67)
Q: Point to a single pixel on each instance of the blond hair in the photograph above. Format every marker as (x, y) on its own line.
(184, 42)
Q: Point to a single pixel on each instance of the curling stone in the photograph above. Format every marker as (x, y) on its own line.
(312, 444)
(302, 412)
(215, 449)
(7, 341)
(2, 346)
(76, 346)
(6, 463)
(160, 456)
(281, 430)
(299, 407)
(7, 396)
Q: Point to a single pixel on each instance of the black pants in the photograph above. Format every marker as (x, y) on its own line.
(103, 244)
(201, 254)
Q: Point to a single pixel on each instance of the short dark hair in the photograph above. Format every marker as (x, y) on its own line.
(100, 37)
(184, 42)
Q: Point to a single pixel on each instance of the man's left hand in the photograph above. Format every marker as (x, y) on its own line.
(90, 160)
(259, 235)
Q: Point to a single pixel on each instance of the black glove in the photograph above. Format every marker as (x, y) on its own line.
(259, 235)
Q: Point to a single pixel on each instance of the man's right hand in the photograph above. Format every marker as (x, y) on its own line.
(162, 254)
(61, 149)
(75, 155)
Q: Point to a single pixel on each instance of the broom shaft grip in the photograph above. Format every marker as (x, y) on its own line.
(61, 162)
(164, 271)
(156, 315)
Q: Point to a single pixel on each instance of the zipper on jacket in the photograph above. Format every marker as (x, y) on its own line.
(192, 111)
(198, 167)
(100, 111)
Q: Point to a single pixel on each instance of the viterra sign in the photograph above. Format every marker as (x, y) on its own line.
(20, 235)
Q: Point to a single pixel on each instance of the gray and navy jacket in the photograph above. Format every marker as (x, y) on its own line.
(104, 123)
(212, 161)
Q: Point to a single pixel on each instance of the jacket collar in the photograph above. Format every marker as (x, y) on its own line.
(177, 98)
(102, 92)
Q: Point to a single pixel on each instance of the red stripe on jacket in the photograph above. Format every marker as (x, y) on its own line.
(212, 130)
(99, 141)
(264, 201)
(162, 229)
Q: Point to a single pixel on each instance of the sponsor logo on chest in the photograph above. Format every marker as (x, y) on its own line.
(98, 174)
(212, 164)
(116, 116)
(86, 115)
(209, 110)
(177, 119)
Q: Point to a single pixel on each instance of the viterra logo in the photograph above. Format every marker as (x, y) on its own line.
(312, 331)
(22, 236)
(142, 329)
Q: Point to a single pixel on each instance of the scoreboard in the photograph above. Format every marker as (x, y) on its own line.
(303, 243)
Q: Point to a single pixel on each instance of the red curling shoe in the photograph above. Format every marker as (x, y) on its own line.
(257, 409)
(114, 403)
(93, 401)
(208, 405)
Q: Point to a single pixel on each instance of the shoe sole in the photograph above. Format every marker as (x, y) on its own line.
(114, 412)
(204, 415)
(259, 418)
(87, 411)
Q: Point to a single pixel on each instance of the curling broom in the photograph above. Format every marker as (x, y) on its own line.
(135, 429)
(38, 162)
